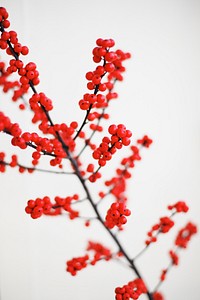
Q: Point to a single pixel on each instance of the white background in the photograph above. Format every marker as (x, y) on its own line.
(159, 97)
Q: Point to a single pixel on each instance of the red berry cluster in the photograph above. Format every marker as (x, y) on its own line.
(180, 206)
(102, 50)
(9, 84)
(10, 36)
(120, 137)
(163, 226)
(100, 252)
(28, 74)
(36, 101)
(112, 64)
(145, 141)
(129, 162)
(116, 215)
(94, 176)
(118, 182)
(166, 223)
(42, 145)
(182, 239)
(185, 234)
(36, 208)
(13, 129)
(92, 100)
(132, 290)
(65, 204)
(28, 77)
(4, 17)
(21, 140)
(96, 101)
(76, 264)
(14, 161)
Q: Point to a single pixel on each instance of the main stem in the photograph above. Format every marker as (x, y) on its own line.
(94, 206)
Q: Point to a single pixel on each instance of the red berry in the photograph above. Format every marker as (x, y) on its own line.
(24, 50)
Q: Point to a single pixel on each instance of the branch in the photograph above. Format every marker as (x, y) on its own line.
(37, 169)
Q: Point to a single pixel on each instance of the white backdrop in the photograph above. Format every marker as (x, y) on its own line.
(159, 97)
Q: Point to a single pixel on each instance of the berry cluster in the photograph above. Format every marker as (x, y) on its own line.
(185, 234)
(10, 36)
(145, 141)
(97, 101)
(42, 145)
(112, 64)
(181, 241)
(132, 290)
(120, 137)
(39, 102)
(116, 215)
(28, 74)
(4, 17)
(100, 252)
(89, 100)
(117, 183)
(76, 264)
(164, 225)
(8, 84)
(180, 206)
(36, 208)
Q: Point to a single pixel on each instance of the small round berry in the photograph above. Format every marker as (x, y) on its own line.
(99, 42)
(102, 87)
(24, 50)
(89, 75)
(112, 129)
(102, 162)
(31, 203)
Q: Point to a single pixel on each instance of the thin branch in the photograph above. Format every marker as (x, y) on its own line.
(37, 169)
(169, 267)
(147, 246)
(29, 144)
(84, 123)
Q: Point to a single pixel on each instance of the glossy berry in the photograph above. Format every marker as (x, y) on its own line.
(116, 215)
